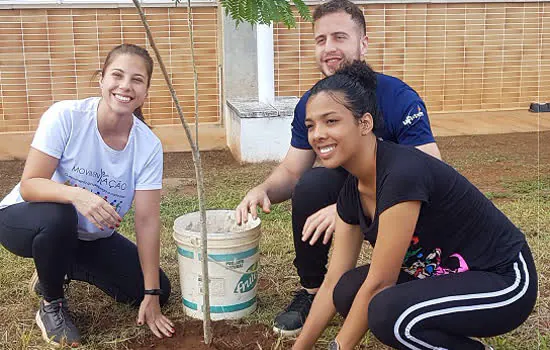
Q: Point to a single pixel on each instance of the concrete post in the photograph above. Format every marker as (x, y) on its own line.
(248, 61)
(266, 65)
(257, 124)
(240, 59)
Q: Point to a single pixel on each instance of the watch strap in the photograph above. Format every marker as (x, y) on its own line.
(152, 292)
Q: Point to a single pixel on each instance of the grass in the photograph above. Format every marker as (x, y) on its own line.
(107, 325)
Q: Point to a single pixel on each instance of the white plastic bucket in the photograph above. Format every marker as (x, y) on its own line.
(233, 257)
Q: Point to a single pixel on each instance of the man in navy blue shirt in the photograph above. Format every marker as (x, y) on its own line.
(340, 37)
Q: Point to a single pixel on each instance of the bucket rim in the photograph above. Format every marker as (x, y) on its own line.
(253, 234)
(255, 223)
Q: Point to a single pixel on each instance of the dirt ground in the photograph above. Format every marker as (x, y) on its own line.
(229, 336)
(489, 161)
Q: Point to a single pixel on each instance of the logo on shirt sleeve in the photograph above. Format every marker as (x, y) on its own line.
(413, 115)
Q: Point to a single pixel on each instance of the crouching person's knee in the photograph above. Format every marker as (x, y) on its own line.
(345, 291)
(381, 318)
(306, 188)
(59, 218)
(316, 189)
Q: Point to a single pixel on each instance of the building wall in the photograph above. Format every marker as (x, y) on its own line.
(457, 56)
(51, 54)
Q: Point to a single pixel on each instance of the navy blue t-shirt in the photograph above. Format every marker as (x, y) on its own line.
(458, 228)
(404, 113)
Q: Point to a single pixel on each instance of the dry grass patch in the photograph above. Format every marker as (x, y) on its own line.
(521, 193)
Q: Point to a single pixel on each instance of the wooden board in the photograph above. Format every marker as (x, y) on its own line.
(457, 56)
(490, 122)
(48, 55)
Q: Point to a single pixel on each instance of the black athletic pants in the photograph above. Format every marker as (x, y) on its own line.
(316, 189)
(442, 312)
(47, 232)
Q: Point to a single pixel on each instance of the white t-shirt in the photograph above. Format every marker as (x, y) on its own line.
(68, 131)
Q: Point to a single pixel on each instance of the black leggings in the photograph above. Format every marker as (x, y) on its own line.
(442, 312)
(316, 189)
(47, 232)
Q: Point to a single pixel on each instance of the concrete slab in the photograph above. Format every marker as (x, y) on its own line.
(489, 122)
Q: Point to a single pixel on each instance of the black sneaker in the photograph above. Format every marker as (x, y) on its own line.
(56, 324)
(36, 288)
(290, 322)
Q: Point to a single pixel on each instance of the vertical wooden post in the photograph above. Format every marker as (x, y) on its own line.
(197, 163)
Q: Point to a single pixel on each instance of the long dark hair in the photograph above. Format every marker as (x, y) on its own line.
(357, 82)
(131, 49)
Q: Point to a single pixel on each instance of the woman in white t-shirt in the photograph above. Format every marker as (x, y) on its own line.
(89, 160)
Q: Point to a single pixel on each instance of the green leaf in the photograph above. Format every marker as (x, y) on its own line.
(303, 10)
(269, 12)
(265, 11)
(286, 13)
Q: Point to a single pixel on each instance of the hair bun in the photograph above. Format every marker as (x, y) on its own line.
(356, 84)
(361, 72)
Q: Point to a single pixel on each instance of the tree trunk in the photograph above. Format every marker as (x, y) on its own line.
(196, 161)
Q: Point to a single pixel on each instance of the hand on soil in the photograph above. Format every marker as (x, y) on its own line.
(96, 209)
(149, 312)
(254, 198)
(323, 221)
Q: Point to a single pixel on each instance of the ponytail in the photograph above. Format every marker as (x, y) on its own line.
(139, 114)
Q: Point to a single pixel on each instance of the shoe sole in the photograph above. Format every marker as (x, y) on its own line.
(43, 330)
(287, 333)
(32, 283)
(45, 334)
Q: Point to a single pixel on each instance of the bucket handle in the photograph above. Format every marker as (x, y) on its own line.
(197, 245)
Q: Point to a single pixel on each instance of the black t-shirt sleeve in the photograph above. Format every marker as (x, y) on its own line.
(348, 202)
(409, 181)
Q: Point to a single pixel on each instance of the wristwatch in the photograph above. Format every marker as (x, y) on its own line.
(333, 345)
(152, 292)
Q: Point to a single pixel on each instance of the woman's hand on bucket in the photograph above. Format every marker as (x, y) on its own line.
(149, 312)
(254, 198)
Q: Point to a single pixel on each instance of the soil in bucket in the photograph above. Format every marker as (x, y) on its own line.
(233, 260)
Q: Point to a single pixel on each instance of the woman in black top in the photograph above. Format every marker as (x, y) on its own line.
(446, 266)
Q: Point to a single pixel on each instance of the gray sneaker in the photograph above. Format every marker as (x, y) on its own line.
(56, 324)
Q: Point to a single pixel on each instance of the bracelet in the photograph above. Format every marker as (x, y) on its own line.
(152, 292)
